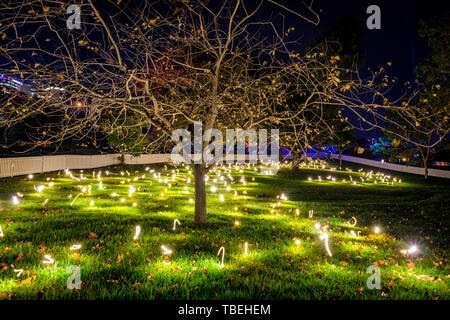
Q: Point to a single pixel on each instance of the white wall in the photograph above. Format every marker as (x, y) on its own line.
(395, 167)
(10, 167)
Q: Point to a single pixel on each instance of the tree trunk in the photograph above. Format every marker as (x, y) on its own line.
(295, 160)
(200, 194)
(425, 163)
(425, 155)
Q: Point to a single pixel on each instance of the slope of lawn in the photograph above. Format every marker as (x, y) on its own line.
(286, 250)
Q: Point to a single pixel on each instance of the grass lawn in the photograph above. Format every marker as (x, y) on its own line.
(287, 257)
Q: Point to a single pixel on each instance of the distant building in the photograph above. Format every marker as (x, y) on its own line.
(9, 84)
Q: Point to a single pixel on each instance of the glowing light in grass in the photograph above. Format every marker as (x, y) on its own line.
(324, 238)
(122, 200)
(92, 203)
(412, 250)
(114, 194)
(45, 202)
(48, 259)
(70, 174)
(352, 222)
(175, 223)
(40, 188)
(311, 213)
(131, 190)
(75, 198)
(297, 212)
(221, 198)
(166, 251)
(191, 200)
(1, 232)
(75, 247)
(30, 176)
(377, 230)
(236, 223)
(18, 271)
(15, 200)
(222, 249)
(245, 249)
(297, 242)
(137, 232)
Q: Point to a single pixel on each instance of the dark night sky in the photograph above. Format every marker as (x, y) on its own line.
(397, 41)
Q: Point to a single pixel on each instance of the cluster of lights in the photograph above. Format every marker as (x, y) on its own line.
(220, 179)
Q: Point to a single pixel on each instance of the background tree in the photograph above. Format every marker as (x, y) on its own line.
(342, 136)
(321, 121)
(423, 120)
(162, 65)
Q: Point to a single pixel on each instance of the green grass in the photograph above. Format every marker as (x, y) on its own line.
(114, 266)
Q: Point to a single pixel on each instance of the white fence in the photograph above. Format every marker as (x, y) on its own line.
(10, 167)
(395, 167)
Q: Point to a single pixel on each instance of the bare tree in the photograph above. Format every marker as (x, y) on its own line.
(157, 64)
(166, 65)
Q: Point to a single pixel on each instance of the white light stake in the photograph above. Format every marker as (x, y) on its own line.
(223, 255)
(324, 237)
(166, 251)
(48, 259)
(352, 222)
(137, 232)
(175, 223)
(246, 249)
(311, 213)
(1, 232)
(15, 200)
(75, 198)
(18, 271)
